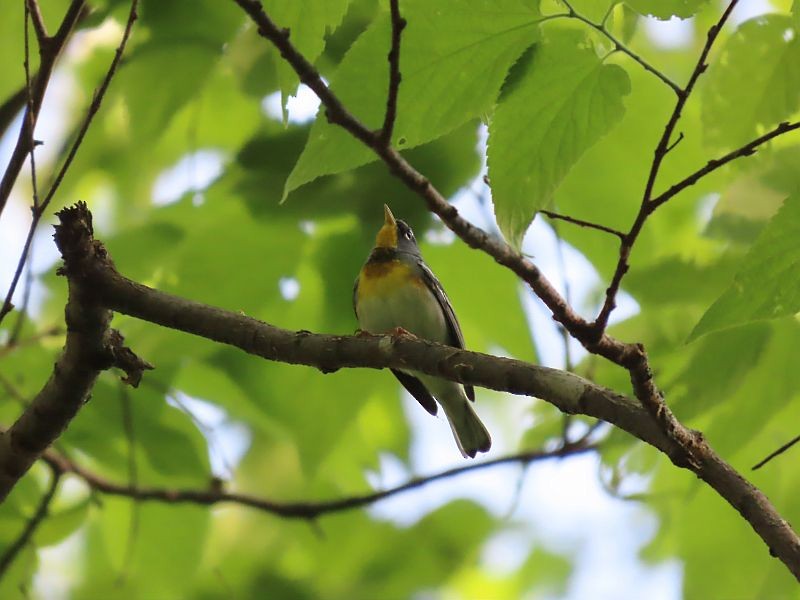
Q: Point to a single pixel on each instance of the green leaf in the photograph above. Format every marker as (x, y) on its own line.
(307, 22)
(768, 284)
(453, 63)
(764, 52)
(566, 102)
(666, 9)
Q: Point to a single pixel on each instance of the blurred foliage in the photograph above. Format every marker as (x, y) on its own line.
(570, 124)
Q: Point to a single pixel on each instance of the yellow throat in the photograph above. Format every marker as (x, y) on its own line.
(387, 235)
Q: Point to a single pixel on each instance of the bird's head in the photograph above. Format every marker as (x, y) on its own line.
(395, 234)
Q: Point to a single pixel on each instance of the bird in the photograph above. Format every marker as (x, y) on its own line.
(396, 291)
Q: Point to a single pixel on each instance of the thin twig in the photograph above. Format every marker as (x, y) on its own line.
(398, 24)
(618, 45)
(297, 510)
(660, 152)
(49, 53)
(777, 452)
(712, 165)
(94, 106)
(32, 7)
(30, 527)
(582, 223)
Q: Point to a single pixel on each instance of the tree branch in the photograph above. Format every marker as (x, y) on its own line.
(777, 452)
(90, 347)
(712, 165)
(568, 392)
(686, 448)
(398, 24)
(582, 223)
(32, 7)
(30, 527)
(49, 53)
(297, 510)
(40, 208)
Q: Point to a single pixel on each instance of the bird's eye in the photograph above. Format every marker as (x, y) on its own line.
(409, 235)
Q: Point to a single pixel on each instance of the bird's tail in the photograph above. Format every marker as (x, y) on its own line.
(471, 435)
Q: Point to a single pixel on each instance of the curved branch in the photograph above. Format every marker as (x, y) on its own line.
(297, 510)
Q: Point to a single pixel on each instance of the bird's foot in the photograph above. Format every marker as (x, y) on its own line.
(400, 332)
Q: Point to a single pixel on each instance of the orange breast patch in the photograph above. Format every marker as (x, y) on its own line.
(381, 278)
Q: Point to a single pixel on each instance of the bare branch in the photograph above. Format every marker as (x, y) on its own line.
(32, 7)
(398, 24)
(297, 510)
(49, 53)
(777, 452)
(712, 165)
(582, 223)
(39, 208)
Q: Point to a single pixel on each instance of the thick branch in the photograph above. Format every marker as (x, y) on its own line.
(90, 347)
(296, 510)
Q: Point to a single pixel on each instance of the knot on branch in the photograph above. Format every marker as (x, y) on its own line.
(116, 354)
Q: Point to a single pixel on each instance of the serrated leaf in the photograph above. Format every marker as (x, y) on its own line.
(452, 61)
(666, 9)
(768, 283)
(764, 52)
(307, 21)
(566, 102)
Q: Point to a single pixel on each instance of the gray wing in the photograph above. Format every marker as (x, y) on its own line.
(412, 384)
(455, 337)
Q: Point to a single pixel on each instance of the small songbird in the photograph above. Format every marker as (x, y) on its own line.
(396, 290)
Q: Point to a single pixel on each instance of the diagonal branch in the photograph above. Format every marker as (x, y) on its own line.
(298, 510)
(619, 46)
(716, 163)
(582, 223)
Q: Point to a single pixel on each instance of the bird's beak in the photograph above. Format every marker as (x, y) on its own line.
(388, 217)
(387, 236)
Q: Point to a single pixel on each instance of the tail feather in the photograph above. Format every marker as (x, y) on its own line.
(470, 434)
